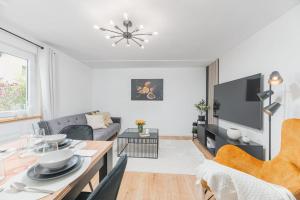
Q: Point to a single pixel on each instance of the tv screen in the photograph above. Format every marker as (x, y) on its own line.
(236, 101)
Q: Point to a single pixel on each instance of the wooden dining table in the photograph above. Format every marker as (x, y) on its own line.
(101, 162)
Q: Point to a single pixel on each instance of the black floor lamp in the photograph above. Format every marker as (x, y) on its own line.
(274, 79)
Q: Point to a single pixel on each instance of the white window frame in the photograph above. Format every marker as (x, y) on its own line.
(33, 91)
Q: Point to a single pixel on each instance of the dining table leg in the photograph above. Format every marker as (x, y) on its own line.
(103, 166)
(107, 165)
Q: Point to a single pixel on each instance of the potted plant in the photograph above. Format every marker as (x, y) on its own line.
(202, 107)
(140, 124)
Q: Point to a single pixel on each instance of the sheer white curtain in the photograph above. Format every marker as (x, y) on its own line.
(47, 66)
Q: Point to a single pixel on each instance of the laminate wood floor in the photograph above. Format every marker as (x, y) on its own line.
(156, 186)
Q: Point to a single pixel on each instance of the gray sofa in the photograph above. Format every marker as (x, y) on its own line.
(56, 125)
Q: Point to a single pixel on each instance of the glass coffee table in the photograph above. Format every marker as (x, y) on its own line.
(133, 144)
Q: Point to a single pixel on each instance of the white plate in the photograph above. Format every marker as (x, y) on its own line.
(55, 138)
(56, 159)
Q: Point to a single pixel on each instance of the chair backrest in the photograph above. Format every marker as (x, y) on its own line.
(290, 141)
(78, 132)
(109, 187)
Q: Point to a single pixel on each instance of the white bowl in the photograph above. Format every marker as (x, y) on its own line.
(54, 138)
(234, 133)
(56, 159)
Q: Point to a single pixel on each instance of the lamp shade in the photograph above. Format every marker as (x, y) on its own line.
(271, 109)
(264, 95)
(275, 78)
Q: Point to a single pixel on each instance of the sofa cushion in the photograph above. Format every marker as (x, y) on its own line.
(56, 125)
(107, 118)
(95, 121)
(106, 133)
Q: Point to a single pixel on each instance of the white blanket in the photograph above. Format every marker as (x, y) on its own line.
(230, 184)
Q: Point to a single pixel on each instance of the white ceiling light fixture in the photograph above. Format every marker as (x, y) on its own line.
(126, 34)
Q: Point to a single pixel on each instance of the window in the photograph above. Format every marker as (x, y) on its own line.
(13, 83)
(19, 81)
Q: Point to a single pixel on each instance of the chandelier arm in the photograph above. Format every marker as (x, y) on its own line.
(112, 31)
(140, 39)
(136, 30)
(115, 36)
(136, 42)
(118, 28)
(119, 40)
(142, 34)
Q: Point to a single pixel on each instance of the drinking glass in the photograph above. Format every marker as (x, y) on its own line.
(25, 145)
(39, 141)
(53, 146)
(47, 147)
(37, 131)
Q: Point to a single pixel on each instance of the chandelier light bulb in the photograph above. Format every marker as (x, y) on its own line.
(142, 47)
(155, 33)
(146, 40)
(111, 22)
(128, 45)
(107, 37)
(125, 15)
(96, 27)
(113, 44)
(141, 27)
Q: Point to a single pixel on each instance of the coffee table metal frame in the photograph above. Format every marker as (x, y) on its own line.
(130, 142)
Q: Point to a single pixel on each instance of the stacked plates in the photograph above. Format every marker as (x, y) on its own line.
(65, 143)
(61, 140)
(54, 165)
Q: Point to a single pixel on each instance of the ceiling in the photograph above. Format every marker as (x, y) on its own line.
(191, 32)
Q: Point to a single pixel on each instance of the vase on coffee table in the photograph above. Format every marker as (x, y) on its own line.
(140, 124)
(140, 128)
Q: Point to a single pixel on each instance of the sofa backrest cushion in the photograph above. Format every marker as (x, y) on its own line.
(56, 125)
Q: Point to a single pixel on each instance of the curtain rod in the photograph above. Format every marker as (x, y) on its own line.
(7, 31)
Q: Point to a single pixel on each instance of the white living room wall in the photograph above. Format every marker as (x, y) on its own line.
(276, 47)
(73, 80)
(183, 87)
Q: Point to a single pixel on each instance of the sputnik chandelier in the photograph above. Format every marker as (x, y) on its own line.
(126, 35)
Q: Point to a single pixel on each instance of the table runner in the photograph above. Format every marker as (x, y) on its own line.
(54, 185)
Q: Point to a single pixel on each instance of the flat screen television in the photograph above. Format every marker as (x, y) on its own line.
(236, 101)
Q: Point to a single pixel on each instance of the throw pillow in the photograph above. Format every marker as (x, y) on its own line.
(95, 121)
(107, 118)
(94, 113)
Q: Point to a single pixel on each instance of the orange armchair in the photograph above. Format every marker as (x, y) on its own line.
(283, 170)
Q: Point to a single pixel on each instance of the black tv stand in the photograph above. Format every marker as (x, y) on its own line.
(219, 136)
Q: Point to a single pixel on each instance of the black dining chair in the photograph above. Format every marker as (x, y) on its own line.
(109, 187)
(78, 132)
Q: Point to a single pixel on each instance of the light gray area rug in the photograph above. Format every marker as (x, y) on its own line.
(174, 156)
